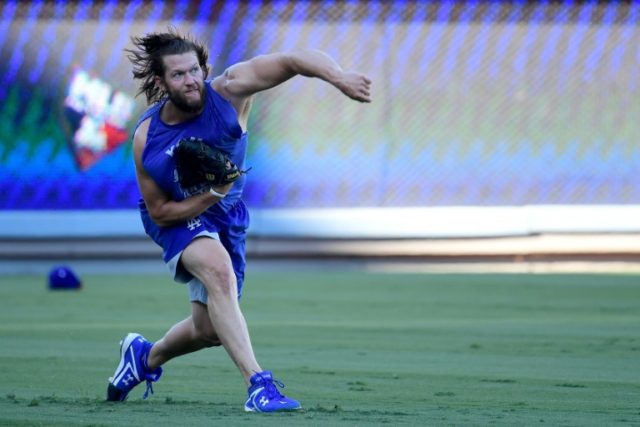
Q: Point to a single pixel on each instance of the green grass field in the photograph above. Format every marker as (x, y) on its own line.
(356, 349)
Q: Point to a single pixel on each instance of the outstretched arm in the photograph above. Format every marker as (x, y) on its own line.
(263, 72)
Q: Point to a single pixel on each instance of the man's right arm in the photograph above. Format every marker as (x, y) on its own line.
(163, 210)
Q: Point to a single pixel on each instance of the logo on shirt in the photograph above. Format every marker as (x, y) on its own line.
(169, 152)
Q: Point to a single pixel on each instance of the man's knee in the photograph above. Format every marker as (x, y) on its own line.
(219, 280)
(209, 261)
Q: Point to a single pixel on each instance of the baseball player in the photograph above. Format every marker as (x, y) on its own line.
(202, 232)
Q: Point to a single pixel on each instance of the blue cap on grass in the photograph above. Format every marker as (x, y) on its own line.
(62, 277)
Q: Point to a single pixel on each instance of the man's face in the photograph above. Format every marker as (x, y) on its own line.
(183, 81)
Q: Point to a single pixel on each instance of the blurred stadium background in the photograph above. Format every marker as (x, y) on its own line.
(503, 130)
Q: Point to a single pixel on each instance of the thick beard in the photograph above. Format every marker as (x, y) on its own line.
(181, 104)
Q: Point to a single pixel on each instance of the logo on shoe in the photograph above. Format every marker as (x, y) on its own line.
(128, 379)
(129, 370)
(264, 401)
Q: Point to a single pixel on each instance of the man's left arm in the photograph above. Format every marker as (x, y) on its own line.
(266, 71)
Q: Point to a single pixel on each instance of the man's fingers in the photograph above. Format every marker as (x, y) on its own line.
(363, 96)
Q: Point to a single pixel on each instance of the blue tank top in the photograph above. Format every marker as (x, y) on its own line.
(217, 125)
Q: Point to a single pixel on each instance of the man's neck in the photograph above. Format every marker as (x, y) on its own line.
(172, 115)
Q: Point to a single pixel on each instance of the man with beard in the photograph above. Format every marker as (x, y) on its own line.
(203, 235)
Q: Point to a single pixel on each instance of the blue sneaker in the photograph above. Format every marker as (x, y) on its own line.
(132, 369)
(265, 397)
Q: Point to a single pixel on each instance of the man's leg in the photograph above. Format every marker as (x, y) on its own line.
(141, 360)
(191, 334)
(207, 260)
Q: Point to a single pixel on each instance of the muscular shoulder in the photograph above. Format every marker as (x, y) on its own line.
(226, 86)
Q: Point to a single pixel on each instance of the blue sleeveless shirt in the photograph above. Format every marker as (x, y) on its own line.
(217, 125)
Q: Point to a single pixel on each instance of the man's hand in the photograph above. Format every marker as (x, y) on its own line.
(355, 85)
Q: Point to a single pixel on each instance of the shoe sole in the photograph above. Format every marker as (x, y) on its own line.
(249, 409)
(271, 412)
